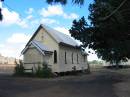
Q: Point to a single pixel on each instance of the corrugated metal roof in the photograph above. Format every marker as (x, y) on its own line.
(60, 37)
(41, 46)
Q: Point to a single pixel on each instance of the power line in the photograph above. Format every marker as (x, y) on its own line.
(8, 6)
(114, 11)
(11, 9)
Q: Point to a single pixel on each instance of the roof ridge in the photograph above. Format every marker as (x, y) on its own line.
(55, 30)
(59, 36)
(45, 27)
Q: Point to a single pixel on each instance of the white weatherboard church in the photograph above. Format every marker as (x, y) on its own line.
(60, 51)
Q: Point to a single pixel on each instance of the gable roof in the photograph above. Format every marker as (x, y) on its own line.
(58, 36)
(39, 46)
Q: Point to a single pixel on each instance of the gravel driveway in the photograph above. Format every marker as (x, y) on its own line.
(102, 83)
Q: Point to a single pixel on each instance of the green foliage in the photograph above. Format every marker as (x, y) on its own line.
(79, 31)
(79, 2)
(1, 16)
(19, 69)
(56, 1)
(109, 37)
(39, 72)
(44, 71)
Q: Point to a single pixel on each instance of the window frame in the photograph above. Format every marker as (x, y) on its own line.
(77, 59)
(65, 58)
(72, 58)
(55, 56)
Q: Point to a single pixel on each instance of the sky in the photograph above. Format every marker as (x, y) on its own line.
(21, 18)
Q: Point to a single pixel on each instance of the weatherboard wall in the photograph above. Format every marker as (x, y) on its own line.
(69, 65)
(44, 37)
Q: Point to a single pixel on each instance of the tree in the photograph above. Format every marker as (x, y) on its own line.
(1, 16)
(109, 31)
(108, 37)
(79, 2)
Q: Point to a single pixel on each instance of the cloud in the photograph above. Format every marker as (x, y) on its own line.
(71, 16)
(63, 30)
(29, 17)
(57, 10)
(1, 45)
(0, 4)
(92, 56)
(23, 23)
(48, 21)
(14, 45)
(12, 17)
(52, 11)
(18, 38)
(30, 11)
(34, 22)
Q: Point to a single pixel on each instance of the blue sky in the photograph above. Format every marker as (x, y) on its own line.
(22, 17)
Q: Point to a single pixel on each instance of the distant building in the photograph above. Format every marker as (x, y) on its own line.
(60, 51)
(7, 60)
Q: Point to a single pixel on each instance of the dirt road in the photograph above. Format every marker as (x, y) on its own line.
(101, 83)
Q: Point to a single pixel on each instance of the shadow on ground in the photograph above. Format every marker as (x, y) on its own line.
(97, 84)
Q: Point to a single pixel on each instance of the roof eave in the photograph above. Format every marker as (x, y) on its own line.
(34, 34)
(64, 44)
(48, 52)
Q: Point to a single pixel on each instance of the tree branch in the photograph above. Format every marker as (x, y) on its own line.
(105, 18)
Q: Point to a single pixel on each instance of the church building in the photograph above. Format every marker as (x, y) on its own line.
(58, 50)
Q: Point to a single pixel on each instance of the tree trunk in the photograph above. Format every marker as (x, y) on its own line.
(117, 65)
(88, 69)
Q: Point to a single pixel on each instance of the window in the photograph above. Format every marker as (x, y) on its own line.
(77, 59)
(55, 56)
(65, 59)
(72, 59)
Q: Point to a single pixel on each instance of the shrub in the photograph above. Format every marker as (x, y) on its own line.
(39, 72)
(19, 69)
(74, 71)
(44, 71)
